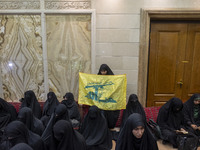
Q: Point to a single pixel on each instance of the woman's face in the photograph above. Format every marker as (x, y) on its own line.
(138, 132)
(104, 72)
(196, 102)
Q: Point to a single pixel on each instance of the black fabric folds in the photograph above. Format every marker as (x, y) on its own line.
(133, 106)
(26, 116)
(31, 101)
(170, 118)
(60, 113)
(170, 115)
(21, 146)
(16, 132)
(188, 111)
(50, 104)
(8, 113)
(72, 106)
(65, 137)
(126, 139)
(95, 130)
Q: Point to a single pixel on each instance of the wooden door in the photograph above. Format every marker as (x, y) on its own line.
(173, 62)
(191, 82)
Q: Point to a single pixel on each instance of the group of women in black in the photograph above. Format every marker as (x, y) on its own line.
(180, 121)
(37, 129)
(55, 130)
(55, 127)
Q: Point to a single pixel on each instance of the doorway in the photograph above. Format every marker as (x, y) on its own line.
(174, 54)
(147, 15)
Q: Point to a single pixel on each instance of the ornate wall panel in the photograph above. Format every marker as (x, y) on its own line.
(43, 51)
(13, 4)
(68, 51)
(21, 55)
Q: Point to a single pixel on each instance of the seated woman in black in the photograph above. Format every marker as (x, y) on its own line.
(191, 112)
(16, 132)
(110, 115)
(8, 113)
(135, 135)
(170, 120)
(60, 113)
(133, 106)
(66, 138)
(31, 101)
(26, 116)
(49, 107)
(72, 108)
(95, 130)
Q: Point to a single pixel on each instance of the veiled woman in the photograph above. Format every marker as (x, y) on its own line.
(31, 101)
(26, 116)
(16, 132)
(170, 120)
(8, 113)
(60, 113)
(133, 106)
(110, 115)
(49, 107)
(95, 130)
(65, 137)
(191, 112)
(72, 108)
(135, 135)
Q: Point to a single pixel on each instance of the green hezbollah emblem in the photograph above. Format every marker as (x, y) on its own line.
(96, 96)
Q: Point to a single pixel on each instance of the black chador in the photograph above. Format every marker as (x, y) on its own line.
(127, 140)
(31, 101)
(95, 130)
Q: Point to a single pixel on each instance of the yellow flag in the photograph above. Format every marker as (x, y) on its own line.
(107, 92)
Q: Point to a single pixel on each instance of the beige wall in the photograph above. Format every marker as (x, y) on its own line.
(118, 33)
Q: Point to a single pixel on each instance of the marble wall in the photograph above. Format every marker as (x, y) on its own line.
(68, 51)
(21, 56)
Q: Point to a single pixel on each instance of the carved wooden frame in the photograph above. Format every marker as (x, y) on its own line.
(145, 17)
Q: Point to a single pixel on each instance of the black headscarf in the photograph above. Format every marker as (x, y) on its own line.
(26, 116)
(50, 104)
(95, 130)
(188, 111)
(31, 101)
(21, 146)
(133, 106)
(60, 113)
(8, 113)
(72, 106)
(65, 137)
(16, 132)
(126, 139)
(170, 115)
(105, 67)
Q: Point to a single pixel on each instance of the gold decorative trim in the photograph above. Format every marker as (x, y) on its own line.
(67, 5)
(9, 5)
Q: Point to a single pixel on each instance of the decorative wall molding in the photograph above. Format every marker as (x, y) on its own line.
(9, 5)
(67, 5)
